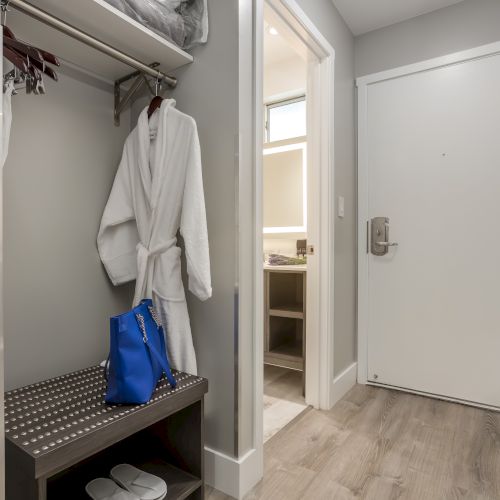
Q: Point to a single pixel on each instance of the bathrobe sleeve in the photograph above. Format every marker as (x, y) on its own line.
(194, 223)
(118, 236)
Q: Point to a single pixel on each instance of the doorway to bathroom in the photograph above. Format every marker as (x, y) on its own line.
(284, 229)
(295, 227)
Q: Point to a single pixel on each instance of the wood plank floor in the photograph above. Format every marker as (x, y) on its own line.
(379, 444)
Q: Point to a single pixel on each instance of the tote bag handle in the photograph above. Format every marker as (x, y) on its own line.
(154, 352)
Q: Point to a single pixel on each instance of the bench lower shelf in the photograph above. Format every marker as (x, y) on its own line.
(180, 484)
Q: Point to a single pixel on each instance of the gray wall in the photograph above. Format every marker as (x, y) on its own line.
(334, 29)
(208, 91)
(63, 155)
(459, 27)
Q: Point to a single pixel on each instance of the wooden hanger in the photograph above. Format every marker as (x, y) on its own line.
(34, 56)
(24, 64)
(46, 70)
(154, 105)
(23, 49)
(50, 58)
(21, 63)
(47, 56)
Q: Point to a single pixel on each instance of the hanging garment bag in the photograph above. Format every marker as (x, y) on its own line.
(137, 357)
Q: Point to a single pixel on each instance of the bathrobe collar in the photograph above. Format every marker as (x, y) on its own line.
(151, 184)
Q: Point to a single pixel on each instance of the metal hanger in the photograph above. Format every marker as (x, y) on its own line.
(157, 99)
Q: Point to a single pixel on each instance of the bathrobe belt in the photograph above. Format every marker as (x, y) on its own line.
(145, 268)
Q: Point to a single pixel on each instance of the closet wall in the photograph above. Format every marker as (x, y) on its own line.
(63, 155)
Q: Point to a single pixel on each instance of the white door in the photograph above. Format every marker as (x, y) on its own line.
(430, 154)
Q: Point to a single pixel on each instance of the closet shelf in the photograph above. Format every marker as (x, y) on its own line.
(291, 349)
(100, 20)
(287, 355)
(294, 311)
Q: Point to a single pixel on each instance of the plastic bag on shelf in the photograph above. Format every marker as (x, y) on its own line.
(183, 22)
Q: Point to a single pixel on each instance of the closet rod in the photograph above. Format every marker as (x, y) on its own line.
(70, 30)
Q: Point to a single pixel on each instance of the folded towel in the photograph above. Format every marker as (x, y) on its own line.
(283, 260)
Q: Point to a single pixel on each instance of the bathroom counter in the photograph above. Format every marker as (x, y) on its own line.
(299, 268)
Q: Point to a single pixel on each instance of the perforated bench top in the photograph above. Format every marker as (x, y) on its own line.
(62, 420)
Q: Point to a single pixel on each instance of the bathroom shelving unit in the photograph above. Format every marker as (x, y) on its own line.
(60, 435)
(285, 316)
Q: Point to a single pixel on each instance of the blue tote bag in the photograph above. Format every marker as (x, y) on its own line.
(137, 356)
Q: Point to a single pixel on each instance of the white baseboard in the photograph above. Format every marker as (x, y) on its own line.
(343, 382)
(234, 477)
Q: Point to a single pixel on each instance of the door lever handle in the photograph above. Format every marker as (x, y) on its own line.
(379, 236)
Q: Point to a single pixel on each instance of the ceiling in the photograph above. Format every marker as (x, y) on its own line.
(276, 48)
(367, 15)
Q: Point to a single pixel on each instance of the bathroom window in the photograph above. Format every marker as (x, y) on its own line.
(286, 119)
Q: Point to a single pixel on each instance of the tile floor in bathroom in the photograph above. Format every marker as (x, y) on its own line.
(283, 398)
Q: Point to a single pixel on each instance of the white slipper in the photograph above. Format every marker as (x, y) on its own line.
(105, 489)
(144, 485)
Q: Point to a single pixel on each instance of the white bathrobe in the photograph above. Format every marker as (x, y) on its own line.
(158, 189)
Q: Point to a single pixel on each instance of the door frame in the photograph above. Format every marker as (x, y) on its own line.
(363, 84)
(320, 138)
(2, 354)
(248, 465)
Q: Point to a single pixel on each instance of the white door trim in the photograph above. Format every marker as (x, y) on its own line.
(2, 409)
(363, 187)
(430, 64)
